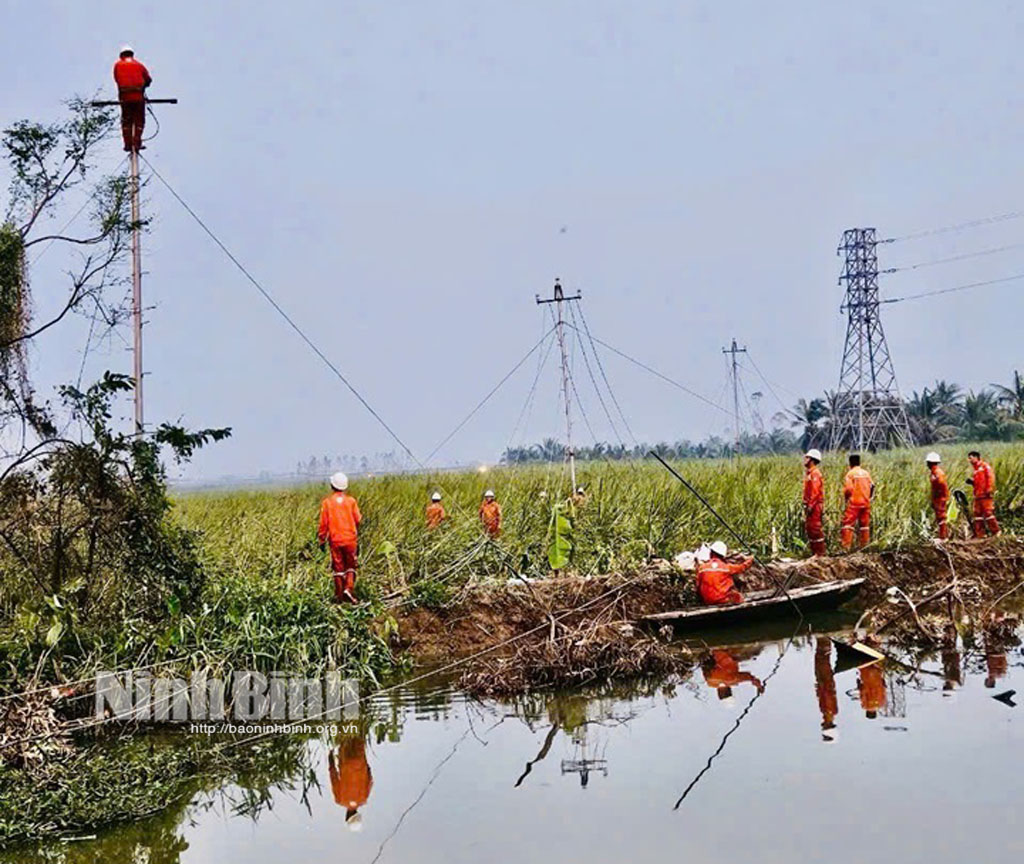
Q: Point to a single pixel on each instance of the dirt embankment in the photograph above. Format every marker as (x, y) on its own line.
(572, 629)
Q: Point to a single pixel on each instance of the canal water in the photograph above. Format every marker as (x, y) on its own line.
(765, 753)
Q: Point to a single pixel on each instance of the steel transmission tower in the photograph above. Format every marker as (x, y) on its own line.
(868, 412)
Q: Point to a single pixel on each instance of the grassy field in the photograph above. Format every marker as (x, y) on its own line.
(633, 512)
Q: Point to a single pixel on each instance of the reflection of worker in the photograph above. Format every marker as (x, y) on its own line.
(435, 511)
(825, 687)
(351, 778)
(814, 502)
(339, 526)
(490, 514)
(951, 670)
(984, 483)
(714, 577)
(996, 666)
(858, 491)
(132, 79)
(722, 672)
(940, 492)
(871, 684)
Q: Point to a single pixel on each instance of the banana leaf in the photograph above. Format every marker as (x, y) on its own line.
(559, 538)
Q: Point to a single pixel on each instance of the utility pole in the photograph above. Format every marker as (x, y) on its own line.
(558, 299)
(734, 350)
(869, 411)
(136, 266)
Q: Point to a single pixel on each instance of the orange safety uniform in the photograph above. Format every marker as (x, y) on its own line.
(351, 778)
(857, 489)
(132, 79)
(435, 514)
(814, 508)
(871, 684)
(825, 683)
(726, 672)
(984, 483)
(714, 581)
(339, 526)
(940, 499)
(490, 517)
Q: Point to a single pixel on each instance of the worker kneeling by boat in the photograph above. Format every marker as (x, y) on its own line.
(714, 576)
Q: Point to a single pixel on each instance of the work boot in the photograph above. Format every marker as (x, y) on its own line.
(339, 589)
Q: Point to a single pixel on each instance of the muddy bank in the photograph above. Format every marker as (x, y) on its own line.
(570, 629)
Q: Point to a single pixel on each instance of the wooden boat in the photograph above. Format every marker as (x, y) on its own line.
(759, 605)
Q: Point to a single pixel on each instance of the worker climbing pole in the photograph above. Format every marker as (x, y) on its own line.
(133, 79)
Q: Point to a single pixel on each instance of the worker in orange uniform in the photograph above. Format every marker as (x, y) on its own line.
(435, 511)
(940, 492)
(714, 577)
(825, 687)
(871, 685)
(858, 490)
(132, 79)
(490, 515)
(339, 526)
(722, 672)
(814, 502)
(984, 484)
(351, 778)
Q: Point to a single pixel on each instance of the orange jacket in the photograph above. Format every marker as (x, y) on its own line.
(726, 672)
(872, 687)
(339, 519)
(351, 779)
(435, 514)
(857, 487)
(984, 480)
(132, 79)
(714, 578)
(490, 516)
(940, 486)
(814, 487)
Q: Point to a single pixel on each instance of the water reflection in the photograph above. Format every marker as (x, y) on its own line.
(632, 746)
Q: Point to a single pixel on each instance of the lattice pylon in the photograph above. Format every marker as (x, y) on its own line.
(868, 411)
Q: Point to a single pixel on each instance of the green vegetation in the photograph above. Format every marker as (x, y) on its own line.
(632, 512)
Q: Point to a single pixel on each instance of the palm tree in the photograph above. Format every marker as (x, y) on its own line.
(1012, 398)
(981, 420)
(810, 415)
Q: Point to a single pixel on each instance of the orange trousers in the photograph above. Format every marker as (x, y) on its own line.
(815, 530)
(860, 515)
(939, 505)
(985, 517)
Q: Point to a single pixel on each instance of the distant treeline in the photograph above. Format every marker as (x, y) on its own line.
(942, 413)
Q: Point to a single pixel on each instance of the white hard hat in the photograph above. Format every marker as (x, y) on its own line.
(813, 453)
(830, 734)
(932, 457)
(436, 496)
(703, 552)
(489, 493)
(339, 481)
(686, 560)
(355, 822)
(719, 548)
(727, 701)
(126, 49)
(579, 490)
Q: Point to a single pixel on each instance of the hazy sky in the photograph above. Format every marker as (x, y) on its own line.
(398, 175)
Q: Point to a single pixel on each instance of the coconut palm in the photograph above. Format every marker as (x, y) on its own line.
(1012, 398)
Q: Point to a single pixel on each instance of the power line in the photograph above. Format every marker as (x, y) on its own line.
(961, 226)
(287, 318)
(955, 288)
(493, 390)
(658, 374)
(964, 257)
(593, 380)
(604, 376)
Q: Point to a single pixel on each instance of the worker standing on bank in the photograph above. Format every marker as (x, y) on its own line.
(984, 484)
(814, 502)
(858, 490)
(435, 512)
(940, 492)
(714, 577)
(490, 515)
(132, 79)
(339, 526)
